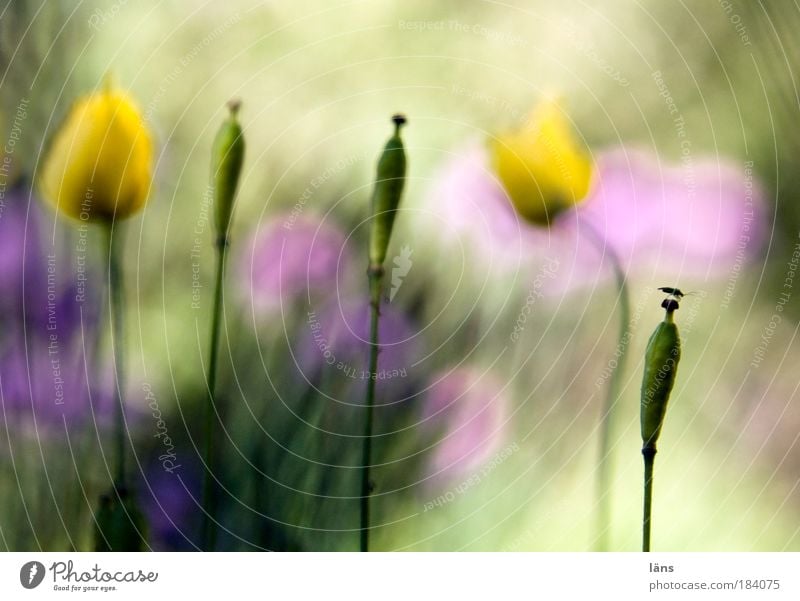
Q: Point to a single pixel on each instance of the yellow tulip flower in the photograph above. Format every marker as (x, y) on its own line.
(99, 163)
(542, 167)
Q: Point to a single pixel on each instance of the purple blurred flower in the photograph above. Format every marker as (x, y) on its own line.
(335, 338)
(290, 258)
(49, 383)
(468, 409)
(44, 355)
(21, 260)
(171, 503)
(698, 220)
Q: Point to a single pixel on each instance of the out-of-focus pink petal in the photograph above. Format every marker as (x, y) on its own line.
(480, 217)
(472, 203)
(468, 408)
(689, 219)
(289, 258)
(693, 220)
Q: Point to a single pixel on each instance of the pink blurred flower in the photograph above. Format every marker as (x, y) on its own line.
(289, 259)
(468, 409)
(700, 219)
(690, 218)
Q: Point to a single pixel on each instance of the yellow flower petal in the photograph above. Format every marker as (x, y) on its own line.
(542, 167)
(99, 163)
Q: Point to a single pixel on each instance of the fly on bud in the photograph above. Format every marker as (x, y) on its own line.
(661, 365)
(389, 183)
(227, 157)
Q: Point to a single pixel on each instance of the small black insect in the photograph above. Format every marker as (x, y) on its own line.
(676, 292)
(672, 302)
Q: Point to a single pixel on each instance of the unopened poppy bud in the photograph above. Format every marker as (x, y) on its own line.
(661, 364)
(543, 167)
(227, 157)
(98, 166)
(386, 196)
(120, 526)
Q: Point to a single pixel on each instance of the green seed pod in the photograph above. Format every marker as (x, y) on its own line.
(227, 156)
(661, 365)
(389, 183)
(120, 525)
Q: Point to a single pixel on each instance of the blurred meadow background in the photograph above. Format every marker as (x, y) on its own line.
(499, 336)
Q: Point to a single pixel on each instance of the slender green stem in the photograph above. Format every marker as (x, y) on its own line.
(604, 469)
(117, 313)
(649, 454)
(85, 457)
(375, 285)
(209, 500)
